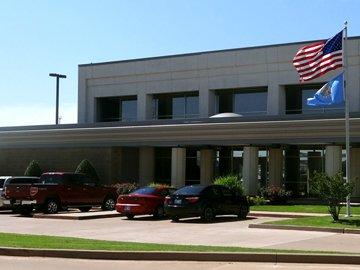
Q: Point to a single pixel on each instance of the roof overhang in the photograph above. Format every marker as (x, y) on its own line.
(316, 131)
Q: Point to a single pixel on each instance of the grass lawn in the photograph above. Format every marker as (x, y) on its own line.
(324, 222)
(54, 242)
(300, 208)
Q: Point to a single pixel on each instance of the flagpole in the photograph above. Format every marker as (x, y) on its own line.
(347, 117)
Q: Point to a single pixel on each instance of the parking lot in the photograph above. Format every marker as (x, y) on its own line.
(225, 231)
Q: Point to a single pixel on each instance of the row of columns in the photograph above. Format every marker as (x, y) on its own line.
(333, 163)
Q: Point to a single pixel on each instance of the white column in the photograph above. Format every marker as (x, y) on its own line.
(178, 167)
(276, 161)
(333, 157)
(144, 107)
(250, 170)
(206, 166)
(355, 170)
(146, 165)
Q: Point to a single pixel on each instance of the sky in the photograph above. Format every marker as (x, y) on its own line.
(39, 37)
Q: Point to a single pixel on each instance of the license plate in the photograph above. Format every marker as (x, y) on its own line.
(127, 208)
(177, 201)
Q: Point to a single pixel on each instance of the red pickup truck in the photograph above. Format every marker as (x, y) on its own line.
(58, 191)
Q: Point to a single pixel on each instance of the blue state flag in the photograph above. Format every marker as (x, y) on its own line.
(331, 93)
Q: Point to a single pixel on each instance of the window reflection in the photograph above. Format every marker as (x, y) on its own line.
(251, 101)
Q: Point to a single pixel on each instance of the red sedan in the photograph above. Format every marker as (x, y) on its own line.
(144, 201)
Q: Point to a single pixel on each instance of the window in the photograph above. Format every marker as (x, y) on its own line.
(296, 100)
(176, 106)
(192, 167)
(163, 165)
(111, 109)
(249, 101)
(129, 110)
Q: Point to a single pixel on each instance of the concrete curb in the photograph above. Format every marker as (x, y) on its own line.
(303, 228)
(183, 256)
(72, 217)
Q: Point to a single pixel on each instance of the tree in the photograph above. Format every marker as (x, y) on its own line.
(86, 167)
(333, 190)
(33, 169)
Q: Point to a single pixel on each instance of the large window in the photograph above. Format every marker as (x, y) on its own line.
(111, 109)
(249, 101)
(163, 165)
(296, 100)
(192, 167)
(176, 106)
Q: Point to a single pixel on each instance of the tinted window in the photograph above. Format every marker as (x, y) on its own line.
(250, 103)
(2, 181)
(23, 181)
(189, 190)
(145, 191)
(52, 179)
(128, 110)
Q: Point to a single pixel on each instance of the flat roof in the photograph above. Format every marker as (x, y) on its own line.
(203, 52)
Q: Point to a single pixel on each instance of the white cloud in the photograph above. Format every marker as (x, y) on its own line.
(41, 114)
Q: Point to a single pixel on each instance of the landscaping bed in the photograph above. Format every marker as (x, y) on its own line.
(321, 222)
(301, 208)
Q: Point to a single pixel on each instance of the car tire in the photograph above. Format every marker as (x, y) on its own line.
(243, 212)
(130, 216)
(159, 212)
(175, 218)
(208, 214)
(85, 208)
(51, 206)
(108, 204)
(25, 210)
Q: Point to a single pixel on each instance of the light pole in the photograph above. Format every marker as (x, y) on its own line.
(57, 94)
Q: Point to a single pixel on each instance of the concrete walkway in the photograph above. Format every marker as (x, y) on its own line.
(225, 231)
(20, 263)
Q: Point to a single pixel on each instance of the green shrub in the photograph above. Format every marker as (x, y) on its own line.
(159, 185)
(231, 181)
(256, 200)
(33, 169)
(333, 190)
(125, 188)
(86, 167)
(275, 195)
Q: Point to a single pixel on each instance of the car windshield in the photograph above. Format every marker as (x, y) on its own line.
(189, 190)
(145, 191)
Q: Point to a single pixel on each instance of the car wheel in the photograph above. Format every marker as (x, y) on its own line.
(25, 210)
(85, 208)
(159, 212)
(243, 212)
(175, 218)
(130, 216)
(108, 204)
(208, 214)
(51, 206)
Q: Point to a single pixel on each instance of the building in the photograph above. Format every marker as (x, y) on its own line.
(151, 120)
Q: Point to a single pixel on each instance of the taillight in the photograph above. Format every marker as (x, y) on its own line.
(167, 200)
(33, 191)
(192, 199)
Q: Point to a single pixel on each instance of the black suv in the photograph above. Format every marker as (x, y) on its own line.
(206, 202)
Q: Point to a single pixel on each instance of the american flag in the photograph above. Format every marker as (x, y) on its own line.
(315, 60)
